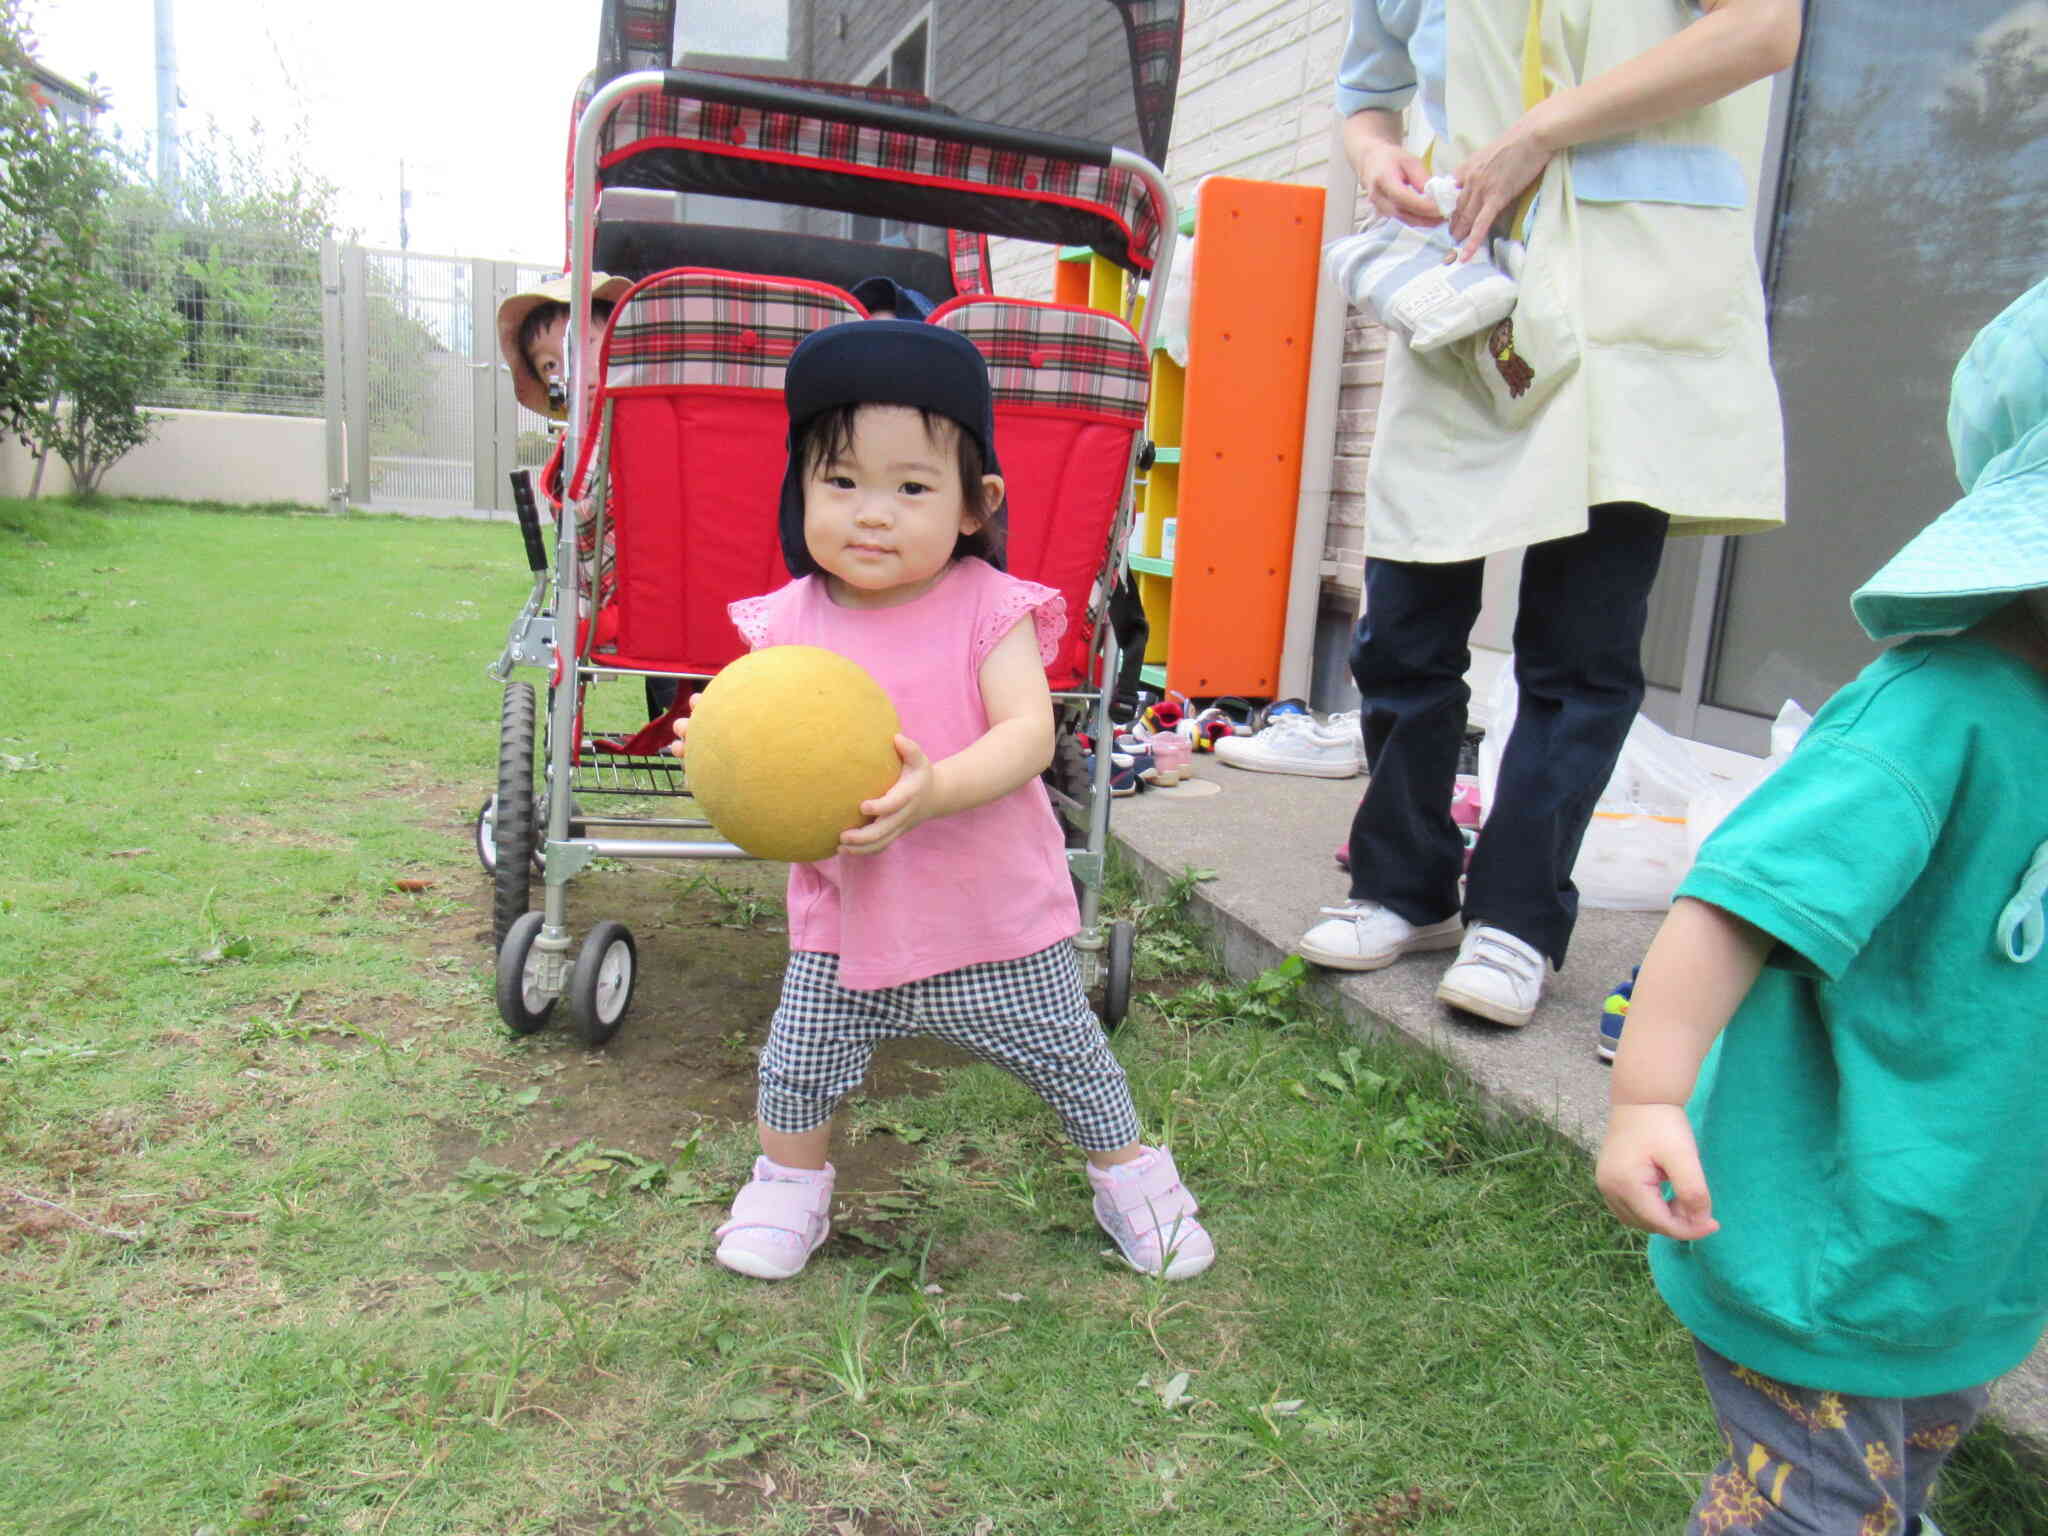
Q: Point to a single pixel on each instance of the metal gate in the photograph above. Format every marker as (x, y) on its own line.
(426, 420)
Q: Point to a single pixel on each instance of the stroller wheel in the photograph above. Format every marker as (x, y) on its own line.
(487, 835)
(521, 1003)
(601, 986)
(513, 823)
(1116, 979)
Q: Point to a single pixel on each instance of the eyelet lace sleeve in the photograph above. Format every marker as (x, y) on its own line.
(1048, 610)
(750, 617)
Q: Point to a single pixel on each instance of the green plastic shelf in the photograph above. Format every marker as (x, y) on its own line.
(1151, 565)
(1165, 455)
(1156, 676)
(1075, 253)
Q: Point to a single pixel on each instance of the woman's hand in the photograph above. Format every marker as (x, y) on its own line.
(1733, 43)
(1490, 182)
(1392, 177)
(907, 803)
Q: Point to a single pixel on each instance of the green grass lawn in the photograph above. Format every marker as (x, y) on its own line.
(281, 1249)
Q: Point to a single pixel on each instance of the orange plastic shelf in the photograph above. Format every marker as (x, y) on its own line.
(1252, 316)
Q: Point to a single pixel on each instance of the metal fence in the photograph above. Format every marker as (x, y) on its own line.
(430, 416)
(397, 350)
(250, 309)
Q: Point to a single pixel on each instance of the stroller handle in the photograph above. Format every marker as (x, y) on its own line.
(736, 91)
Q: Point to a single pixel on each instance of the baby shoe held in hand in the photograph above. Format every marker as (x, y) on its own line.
(1410, 280)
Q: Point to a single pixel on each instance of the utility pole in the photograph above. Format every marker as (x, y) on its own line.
(166, 103)
(404, 245)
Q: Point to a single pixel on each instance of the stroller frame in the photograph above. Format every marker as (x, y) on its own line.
(538, 960)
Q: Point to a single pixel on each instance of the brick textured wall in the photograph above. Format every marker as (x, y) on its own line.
(1256, 80)
(1358, 403)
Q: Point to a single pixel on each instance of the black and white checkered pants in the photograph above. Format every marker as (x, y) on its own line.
(1029, 1017)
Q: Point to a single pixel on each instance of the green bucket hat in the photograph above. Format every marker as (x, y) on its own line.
(1992, 545)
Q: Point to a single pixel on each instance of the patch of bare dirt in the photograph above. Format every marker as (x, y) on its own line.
(711, 953)
(260, 829)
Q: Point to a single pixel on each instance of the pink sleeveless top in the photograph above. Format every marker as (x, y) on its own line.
(986, 884)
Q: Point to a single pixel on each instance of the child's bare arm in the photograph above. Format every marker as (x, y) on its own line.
(1014, 750)
(1700, 966)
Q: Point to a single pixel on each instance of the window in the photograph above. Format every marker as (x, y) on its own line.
(905, 65)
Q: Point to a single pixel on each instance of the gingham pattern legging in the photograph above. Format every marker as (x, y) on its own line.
(1029, 1017)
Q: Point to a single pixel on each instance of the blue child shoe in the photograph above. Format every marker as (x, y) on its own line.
(1612, 1012)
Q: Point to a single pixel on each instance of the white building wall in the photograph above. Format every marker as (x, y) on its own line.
(200, 456)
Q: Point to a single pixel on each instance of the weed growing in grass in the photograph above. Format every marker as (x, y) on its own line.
(737, 909)
(844, 1361)
(569, 1195)
(1272, 998)
(1169, 941)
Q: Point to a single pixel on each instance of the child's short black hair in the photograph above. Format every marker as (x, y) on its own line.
(829, 435)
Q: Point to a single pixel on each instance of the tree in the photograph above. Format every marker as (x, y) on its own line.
(69, 329)
(115, 344)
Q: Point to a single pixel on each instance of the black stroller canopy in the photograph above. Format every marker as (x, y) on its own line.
(1099, 70)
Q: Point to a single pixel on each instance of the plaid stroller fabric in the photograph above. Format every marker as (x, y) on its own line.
(701, 328)
(723, 131)
(693, 450)
(1070, 391)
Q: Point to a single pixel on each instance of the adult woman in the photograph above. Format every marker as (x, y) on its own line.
(1629, 394)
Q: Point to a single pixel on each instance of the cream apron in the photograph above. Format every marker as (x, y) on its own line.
(1635, 366)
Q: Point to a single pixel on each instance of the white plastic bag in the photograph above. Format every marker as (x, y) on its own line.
(1636, 849)
(1173, 309)
(1722, 794)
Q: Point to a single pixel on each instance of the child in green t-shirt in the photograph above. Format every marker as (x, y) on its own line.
(1840, 1024)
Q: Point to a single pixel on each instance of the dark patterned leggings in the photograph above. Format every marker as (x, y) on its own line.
(1808, 1463)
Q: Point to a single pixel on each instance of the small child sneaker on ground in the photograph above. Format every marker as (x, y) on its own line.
(1364, 936)
(1496, 976)
(1146, 1208)
(1613, 1011)
(777, 1221)
(1296, 744)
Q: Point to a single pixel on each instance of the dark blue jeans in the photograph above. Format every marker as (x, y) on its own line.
(1579, 679)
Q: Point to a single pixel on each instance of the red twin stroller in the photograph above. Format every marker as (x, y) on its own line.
(671, 475)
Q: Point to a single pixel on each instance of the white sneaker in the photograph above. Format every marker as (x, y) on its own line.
(1296, 744)
(1496, 976)
(1363, 936)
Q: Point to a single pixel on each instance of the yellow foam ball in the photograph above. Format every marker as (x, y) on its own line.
(785, 743)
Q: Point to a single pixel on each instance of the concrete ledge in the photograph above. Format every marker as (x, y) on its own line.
(1270, 838)
(231, 456)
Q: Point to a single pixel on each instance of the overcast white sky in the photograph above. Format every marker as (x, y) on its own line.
(473, 95)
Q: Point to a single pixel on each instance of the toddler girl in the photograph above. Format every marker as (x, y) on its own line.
(950, 913)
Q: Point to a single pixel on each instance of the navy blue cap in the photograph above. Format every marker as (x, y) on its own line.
(886, 293)
(881, 362)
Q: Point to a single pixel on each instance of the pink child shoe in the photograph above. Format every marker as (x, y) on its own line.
(1146, 1208)
(777, 1221)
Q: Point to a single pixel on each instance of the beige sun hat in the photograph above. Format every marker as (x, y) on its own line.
(526, 384)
